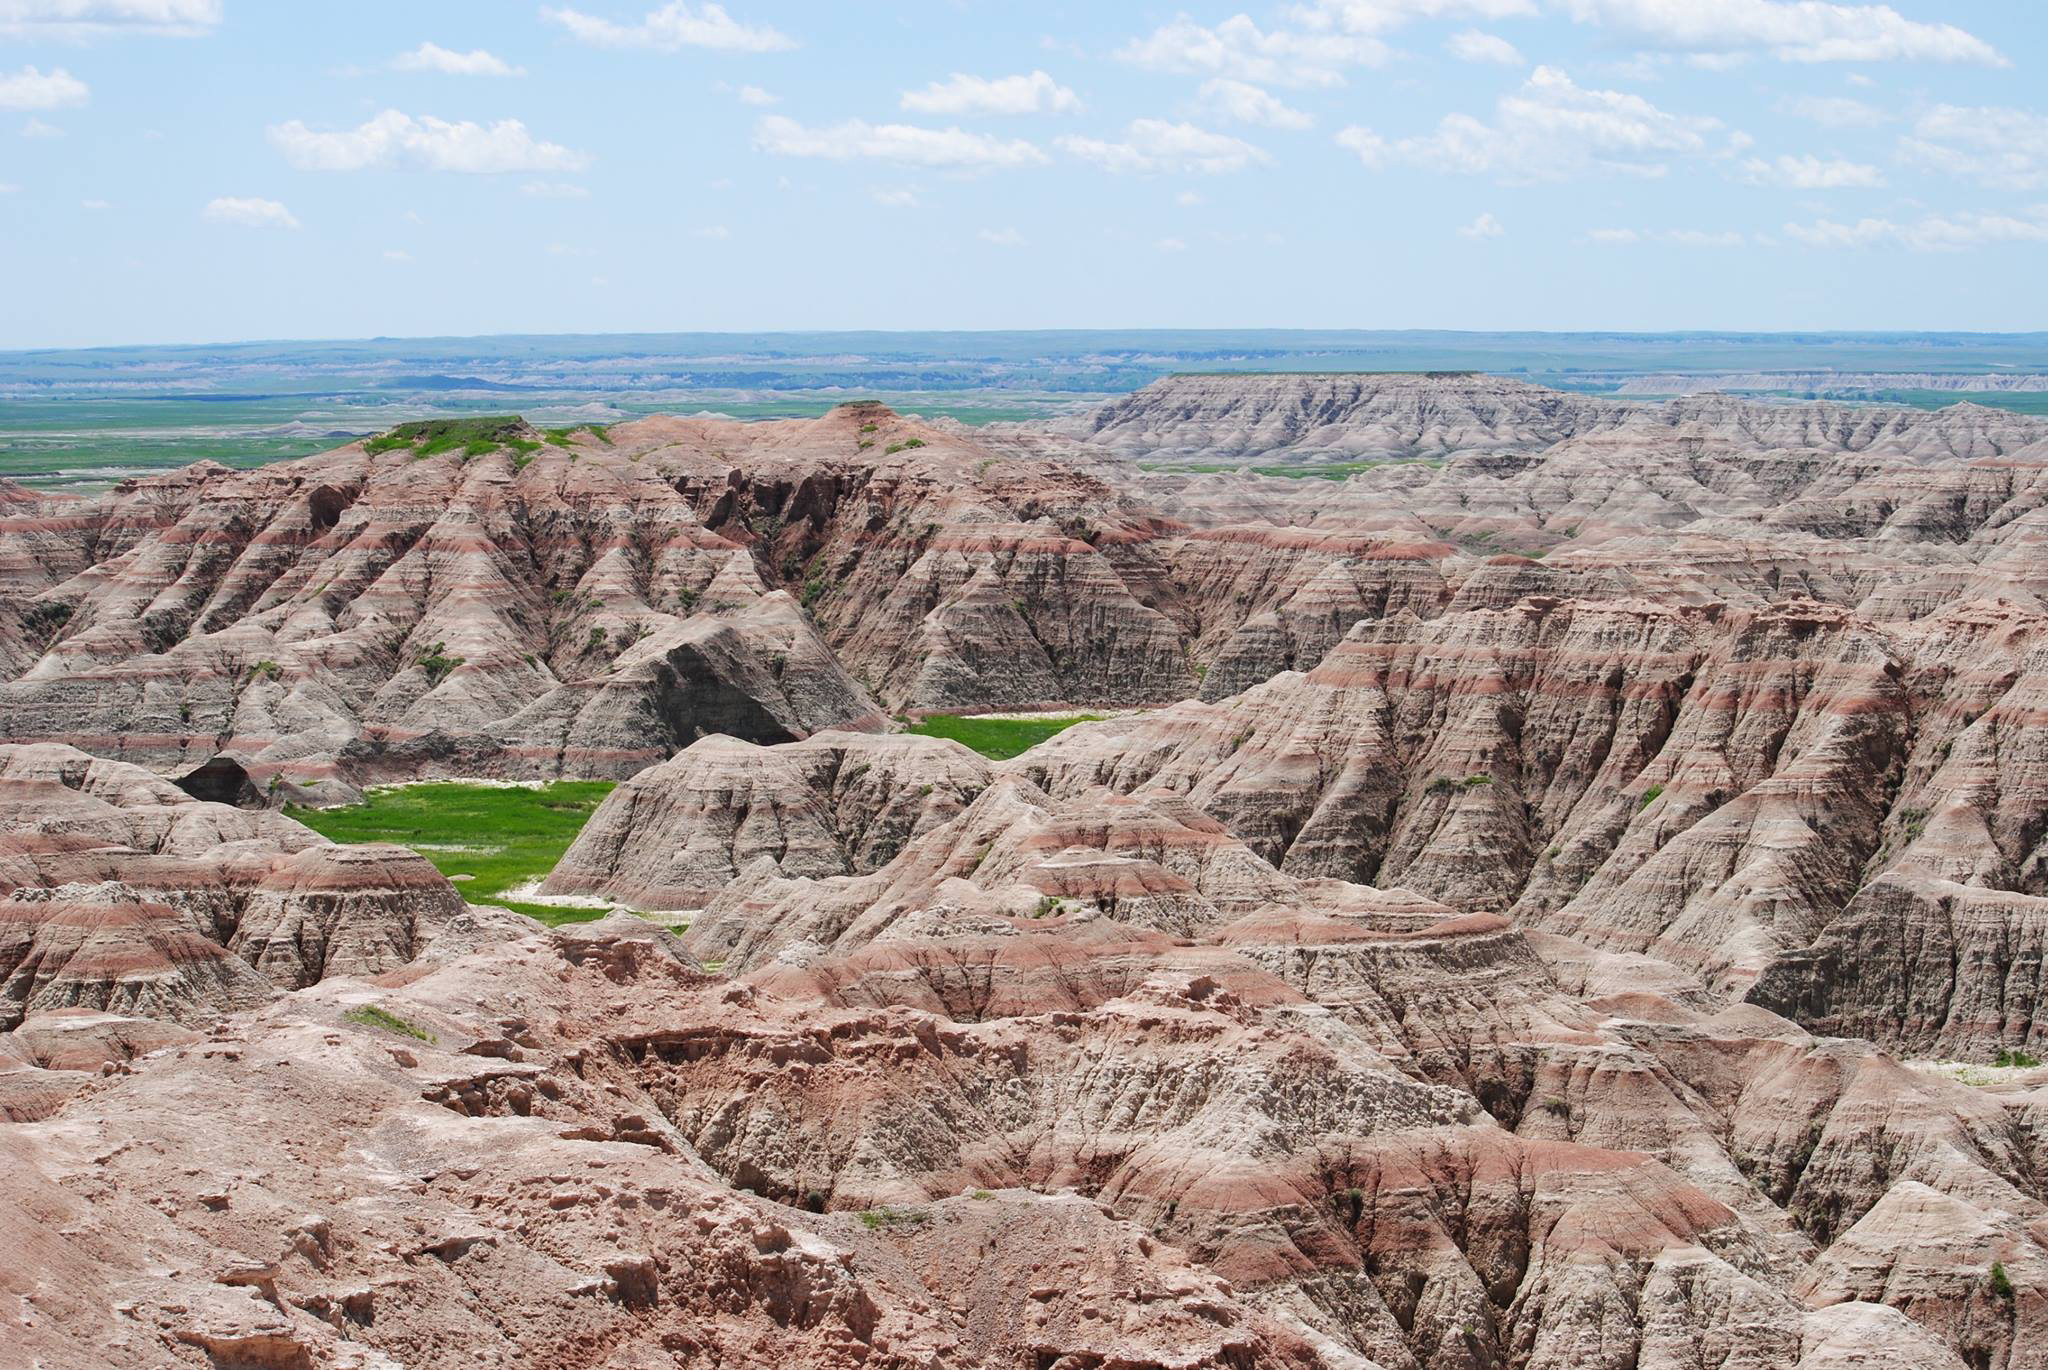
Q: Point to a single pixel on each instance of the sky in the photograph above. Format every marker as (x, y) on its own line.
(217, 170)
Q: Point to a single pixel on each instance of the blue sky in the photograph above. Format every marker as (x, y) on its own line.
(209, 170)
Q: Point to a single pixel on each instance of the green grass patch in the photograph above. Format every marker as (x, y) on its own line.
(498, 837)
(369, 1015)
(2011, 1059)
(428, 436)
(997, 738)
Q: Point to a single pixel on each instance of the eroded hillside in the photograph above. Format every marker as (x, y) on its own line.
(1569, 891)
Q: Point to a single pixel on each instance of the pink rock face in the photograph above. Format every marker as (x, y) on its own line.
(1513, 936)
(126, 895)
(840, 803)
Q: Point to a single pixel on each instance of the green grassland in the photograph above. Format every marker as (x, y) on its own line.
(499, 837)
(997, 738)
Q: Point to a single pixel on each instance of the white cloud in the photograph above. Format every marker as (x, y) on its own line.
(95, 205)
(672, 27)
(1548, 129)
(1037, 93)
(1485, 226)
(1248, 104)
(1812, 173)
(395, 140)
(906, 143)
(1001, 237)
(554, 190)
(1172, 245)
(398, 255)
(1238, 48)
(2007, 148)
(894, 199)
(1377, 16)
(434, 57)
(9, 188)
(36, 128)
(714, 231)
(1474, 46)
(1834, 111)
(1153, 146)
(32, 88)
(76, 19)
(1677, 237)
(755, 96)
(1187, 199)
(1694, 237)
(249, 211)
(1789, 30)
(1935, 233)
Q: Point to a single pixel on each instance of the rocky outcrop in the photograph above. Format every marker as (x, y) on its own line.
(541, 1213)
(1227, 416)
(121, 893)
(1929, 967)
(839, 803)
(1348, 416)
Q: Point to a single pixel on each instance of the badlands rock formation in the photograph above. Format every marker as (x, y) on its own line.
(123, 899)
(1577, 900)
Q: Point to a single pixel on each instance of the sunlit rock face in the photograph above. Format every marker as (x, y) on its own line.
(1569, 894)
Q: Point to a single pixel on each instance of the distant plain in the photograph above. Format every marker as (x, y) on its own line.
(82, 420)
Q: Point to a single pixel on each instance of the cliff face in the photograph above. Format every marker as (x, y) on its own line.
(1509, 932)
(1229, 416)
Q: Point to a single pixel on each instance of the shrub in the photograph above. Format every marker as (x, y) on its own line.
(369, 1015)
(1649, 797)
(2001, 1283)
(266, 670)
(877, 1219)
(1473, 781)
(2012, 1058)
(436, 664)
(46, 617)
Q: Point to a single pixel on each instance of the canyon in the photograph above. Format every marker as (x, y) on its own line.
(1559, 882)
